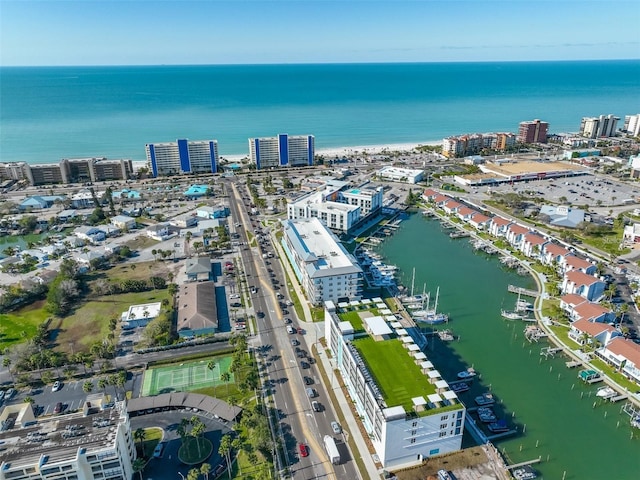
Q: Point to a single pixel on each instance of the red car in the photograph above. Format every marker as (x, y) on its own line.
(304, 450)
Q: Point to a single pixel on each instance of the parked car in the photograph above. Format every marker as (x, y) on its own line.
(335, 426)
(316, 406)
(159, 450)
(58, 408)
(56, 386)
(308, 380)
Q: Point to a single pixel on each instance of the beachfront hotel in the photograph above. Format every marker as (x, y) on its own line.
(462, 145)
(337, 205)
(94, 443)
(282, 151)
(182, 156)
(326, 271)
(534, 131)
(405, 406)
(74, 170)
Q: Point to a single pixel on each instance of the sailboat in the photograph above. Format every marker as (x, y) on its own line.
(432, 317)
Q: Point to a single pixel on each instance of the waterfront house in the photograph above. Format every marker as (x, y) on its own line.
(451, 206)
(89, 234)
(586, 286)
(440, 200)
(429, 194)
(554, 254)
(584, 332)
(480, 221)
(197, 311)
(123, 222)
(159, 232)
(569, 302)
(532, 245)
(593, 312)
(624, 355)
(515, 234)
(499, 226)
(198, 269)
(573, 263)
(465, 213)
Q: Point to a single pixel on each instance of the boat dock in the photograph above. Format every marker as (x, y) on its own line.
(522, 291)
(547, 352)
(573, 364)
(508, 433)
(533, 333)
(522, 464)
(460, 234)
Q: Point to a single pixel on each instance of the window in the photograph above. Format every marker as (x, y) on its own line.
(413, 440)
(414, 424)
(442, 434)
(443, 426)
(413, 432)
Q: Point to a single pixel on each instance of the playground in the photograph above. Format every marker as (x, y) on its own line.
(187, 376)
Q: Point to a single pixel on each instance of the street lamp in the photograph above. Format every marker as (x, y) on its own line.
(181, 475)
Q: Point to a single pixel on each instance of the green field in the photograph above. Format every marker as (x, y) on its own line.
(186, 377)
(394, 371)
(22, 324)
(354, 319)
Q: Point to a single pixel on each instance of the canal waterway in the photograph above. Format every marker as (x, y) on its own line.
(577, 435)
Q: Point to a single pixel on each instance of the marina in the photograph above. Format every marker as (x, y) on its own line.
(483, 337)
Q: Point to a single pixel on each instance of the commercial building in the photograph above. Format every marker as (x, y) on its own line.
(324, 268)
(94, 443)
(599, 127)
(396, 174)
(406, 408)
(510, 170)
(534, 131)
(197, 310)
(182, 156)
(282, 151)
(337, 205)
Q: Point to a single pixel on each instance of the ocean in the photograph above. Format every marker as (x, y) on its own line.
(50, 113)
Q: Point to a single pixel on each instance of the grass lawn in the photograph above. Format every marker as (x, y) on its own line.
(616, 376)
(89, 322)
(152, 436)
(354, 319)
(195, 450)
(131, 271)
(140, 242)
(20, 325)
(394, 370)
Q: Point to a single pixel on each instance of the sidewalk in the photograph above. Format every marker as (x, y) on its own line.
(327, 365)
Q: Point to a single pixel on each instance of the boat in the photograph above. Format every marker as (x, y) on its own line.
(430, 316)
(459, 387)
(606, 392)
(487, 415)
(485, 399)
(523, 305)
(524, 472)
(635, 421)
(511, 315)
(467, 374)
(498, 427)
(446, 335)
(588, 375)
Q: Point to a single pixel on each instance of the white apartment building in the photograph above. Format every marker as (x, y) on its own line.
(427, 424)
(338, 206)
(282, 151)
(95, 443)
(182, 156)
(632, 125)
(324, 268)
(597, 127)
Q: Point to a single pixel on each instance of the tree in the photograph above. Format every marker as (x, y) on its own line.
(87, 387)
(138, 466)
(237, 445)
(197, 429)
(226, 378)
(193, 474)
(139, 435)
(225, 450)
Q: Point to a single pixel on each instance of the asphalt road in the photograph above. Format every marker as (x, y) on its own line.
(281, 370)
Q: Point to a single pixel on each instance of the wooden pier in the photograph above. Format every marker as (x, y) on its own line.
(522, 464)
(617, 398)
(573, 364)
(522, 291)
(547, 352)
(502, 435)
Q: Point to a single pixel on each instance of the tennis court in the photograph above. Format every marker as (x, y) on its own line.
(186, 376)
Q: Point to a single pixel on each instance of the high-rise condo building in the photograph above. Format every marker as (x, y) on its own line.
(182, 156)
(632, 124)
(282, 151)
(533, 132)
(599, 127)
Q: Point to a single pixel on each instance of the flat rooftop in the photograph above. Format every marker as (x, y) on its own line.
(511, 168)
(60, 436)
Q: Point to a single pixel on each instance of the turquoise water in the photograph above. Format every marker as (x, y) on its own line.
(49, 113)
(562, 422)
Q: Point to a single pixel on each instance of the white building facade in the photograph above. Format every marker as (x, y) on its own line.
(282, 151)
(182, 156)
(400, 438)
(326, 271)
(397, 174)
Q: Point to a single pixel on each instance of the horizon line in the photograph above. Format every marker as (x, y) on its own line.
(319, 63)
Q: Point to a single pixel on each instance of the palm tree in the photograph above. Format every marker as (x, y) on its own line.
(237, 446)
(103, 383)
(87, 387)
(225, 449)
(6, 363)
(205, 468)
(226, 378)
(193, 474)
(138, 466)
(139, 435)
(197, 429)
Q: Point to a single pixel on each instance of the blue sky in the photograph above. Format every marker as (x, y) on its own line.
(120, 32)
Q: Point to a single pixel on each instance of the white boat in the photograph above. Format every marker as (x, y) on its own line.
(466, 374)
(606, 392)
(511, 315)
